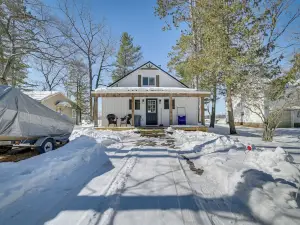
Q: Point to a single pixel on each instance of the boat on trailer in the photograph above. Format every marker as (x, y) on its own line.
(26, 122)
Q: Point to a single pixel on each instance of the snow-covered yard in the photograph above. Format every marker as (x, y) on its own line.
(106, 177)
(287, 138)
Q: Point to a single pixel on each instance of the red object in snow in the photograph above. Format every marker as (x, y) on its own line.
(249, 147)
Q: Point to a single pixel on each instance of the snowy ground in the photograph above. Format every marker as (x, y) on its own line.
(110, 177)
(287, 138)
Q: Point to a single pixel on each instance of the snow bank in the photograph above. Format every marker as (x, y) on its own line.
(50, 170)
(204, 142)
(105, 137)
(264, 181)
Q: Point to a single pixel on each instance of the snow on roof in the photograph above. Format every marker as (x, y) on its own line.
(40, 95)
(147, 89)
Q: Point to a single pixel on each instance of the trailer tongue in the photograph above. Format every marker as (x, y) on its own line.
(23, 118)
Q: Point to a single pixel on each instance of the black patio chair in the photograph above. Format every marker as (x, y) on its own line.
(112, 119)
(126, 120)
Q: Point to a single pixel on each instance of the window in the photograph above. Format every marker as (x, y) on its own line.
(151, 106)
(167, 105)
(151, 81)
(137, 104)
(145, 81)
(148, 81)
(73, 113)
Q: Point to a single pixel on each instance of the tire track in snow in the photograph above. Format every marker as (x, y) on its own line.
(114, 188)
(203, 215)
(68, 197)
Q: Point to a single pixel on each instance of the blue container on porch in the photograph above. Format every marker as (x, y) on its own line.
(181, 120)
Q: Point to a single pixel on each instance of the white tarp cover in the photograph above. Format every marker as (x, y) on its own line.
(22, 116)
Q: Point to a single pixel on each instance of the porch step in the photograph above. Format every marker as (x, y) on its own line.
(114, 128)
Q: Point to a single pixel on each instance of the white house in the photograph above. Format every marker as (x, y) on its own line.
(249, 115)
(153, 94)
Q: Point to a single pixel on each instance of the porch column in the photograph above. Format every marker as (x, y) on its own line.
(95, 111)
(132, 110)
(202, 112)
(171, 110)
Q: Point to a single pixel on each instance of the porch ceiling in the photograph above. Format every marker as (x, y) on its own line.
(149, 94)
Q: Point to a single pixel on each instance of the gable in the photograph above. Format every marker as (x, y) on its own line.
(40, 95)
(148, 69)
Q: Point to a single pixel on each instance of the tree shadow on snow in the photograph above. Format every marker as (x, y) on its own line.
(235, 204)
(241, 131)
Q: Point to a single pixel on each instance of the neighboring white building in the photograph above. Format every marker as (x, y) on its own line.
(151, 90)
(249, 116)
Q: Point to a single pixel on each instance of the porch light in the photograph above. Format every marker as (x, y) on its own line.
(143, 101)
(159, 101)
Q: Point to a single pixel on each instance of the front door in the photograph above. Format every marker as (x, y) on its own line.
(151, 112)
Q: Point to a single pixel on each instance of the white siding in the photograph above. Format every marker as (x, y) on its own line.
(249, 115)
(286, 119)
(164, 79)
(120, 107)
(296, 116)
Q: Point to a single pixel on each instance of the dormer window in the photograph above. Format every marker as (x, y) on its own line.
(148, 81)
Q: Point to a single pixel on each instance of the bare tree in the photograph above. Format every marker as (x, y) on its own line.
(53, 74)
(106, 52)
(87, 38)
(269, 100)
(266, 94)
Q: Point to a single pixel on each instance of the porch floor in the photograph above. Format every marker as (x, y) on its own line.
(156, 128)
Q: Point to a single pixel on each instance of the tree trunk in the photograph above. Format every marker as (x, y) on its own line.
(232, 129)
(7, 67)
(3, 81)
(268, 133)
(91, 88)
(213, 108)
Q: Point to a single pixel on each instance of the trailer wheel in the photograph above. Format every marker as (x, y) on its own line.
(47, 145)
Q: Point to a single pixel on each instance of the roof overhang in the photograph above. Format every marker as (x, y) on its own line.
(63, 104)
(149, 92)
(293, 108)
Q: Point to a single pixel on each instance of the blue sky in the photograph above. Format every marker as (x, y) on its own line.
(137, 18)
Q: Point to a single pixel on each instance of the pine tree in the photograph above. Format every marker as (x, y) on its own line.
(76, 84)
(15, 34)
(127, 57)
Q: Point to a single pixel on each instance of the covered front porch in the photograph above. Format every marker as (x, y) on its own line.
(158, 107)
